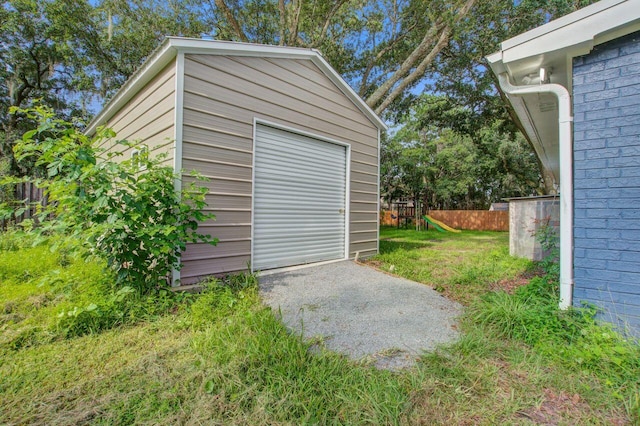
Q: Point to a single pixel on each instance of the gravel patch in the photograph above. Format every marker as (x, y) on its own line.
(362, 313)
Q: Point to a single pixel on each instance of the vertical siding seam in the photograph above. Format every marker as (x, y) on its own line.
(253, 189)
(177, 137)
(347, 204)
(378, 209)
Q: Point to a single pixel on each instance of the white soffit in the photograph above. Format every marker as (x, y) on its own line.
(169, 48)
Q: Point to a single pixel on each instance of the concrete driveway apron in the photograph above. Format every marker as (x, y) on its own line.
(361, 312)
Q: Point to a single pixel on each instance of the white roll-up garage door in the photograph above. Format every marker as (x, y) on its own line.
(299, 199)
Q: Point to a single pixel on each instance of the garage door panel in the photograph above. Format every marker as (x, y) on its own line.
(299, 199)
(295, 258)
(278, 150)
(276, 142)
(295, 171)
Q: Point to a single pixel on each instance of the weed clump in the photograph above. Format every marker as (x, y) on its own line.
(573, 338)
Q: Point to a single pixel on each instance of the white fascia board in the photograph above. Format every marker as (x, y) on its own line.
(577, 32)
(232, 48)
(158, 59)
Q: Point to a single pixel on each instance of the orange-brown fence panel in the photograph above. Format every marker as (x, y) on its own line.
(475, 220)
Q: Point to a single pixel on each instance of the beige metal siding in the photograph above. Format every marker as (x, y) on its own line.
(222, 96)
(148, 117)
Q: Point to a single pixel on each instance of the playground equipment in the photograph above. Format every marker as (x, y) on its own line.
(406, 211)
(440, 226)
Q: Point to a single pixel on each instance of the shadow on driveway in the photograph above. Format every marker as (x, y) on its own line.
(363, 313)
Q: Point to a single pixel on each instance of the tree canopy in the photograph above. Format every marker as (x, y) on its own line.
(72, 55)
(447, 169)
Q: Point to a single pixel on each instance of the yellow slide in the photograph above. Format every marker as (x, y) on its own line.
(442, 225)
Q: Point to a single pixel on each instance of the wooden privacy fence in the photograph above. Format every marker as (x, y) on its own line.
(475, 220)
(27, 199)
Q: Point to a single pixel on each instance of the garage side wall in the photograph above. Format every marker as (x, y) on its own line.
(607, 180)
(222, 97)
(149, 116)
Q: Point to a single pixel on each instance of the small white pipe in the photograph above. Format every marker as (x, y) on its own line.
(566, 177)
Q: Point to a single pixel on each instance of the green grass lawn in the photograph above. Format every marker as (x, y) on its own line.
(461, 265)
(223, 358)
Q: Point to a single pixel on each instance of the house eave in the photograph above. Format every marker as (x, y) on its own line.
(553, 47)
(577, 32)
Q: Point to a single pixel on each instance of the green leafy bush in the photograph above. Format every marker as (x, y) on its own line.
(114, 308)
(549, 240)
(126, 211)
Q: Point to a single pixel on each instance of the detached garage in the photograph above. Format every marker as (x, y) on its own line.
(290, 151)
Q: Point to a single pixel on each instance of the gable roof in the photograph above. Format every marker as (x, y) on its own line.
(170, 47)
(552, 46)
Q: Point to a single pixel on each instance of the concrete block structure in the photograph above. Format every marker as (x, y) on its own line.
(527, 217)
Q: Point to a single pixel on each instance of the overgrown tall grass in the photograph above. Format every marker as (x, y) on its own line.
(572, 341)
(89, 352)
(572, 338)
(462, 266)
(221, 357)
(50, 291)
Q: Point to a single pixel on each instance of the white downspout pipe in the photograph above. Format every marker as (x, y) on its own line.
(566, 177)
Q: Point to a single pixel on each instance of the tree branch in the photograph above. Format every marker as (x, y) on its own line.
(406, 65)
(325, 27)
(228, 14)
(379, 55)
(283, 22)
(417, 72)
(441, 32)
(294, 24)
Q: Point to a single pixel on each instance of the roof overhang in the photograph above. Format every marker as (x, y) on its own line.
(171, 46)
(553, 46)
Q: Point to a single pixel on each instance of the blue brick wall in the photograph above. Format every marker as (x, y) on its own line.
(606, 107)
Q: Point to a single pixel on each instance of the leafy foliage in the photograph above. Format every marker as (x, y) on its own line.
(449, 169)
(471, 97)
(127, 212)
(72, 55)
(50, 291)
